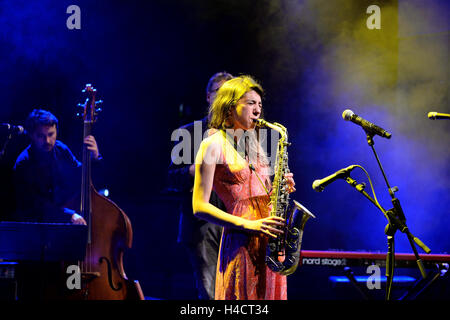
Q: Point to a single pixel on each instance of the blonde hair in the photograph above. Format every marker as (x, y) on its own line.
(228, 95)
(219, 115)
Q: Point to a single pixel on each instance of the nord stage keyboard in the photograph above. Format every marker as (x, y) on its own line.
(356, 258)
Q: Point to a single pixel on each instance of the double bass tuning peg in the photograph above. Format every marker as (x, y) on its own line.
(81, 106)
(97, 108)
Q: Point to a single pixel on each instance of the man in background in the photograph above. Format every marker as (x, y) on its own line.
(47, 174)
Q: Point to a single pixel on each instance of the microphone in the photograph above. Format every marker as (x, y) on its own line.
(436, 115)
(11, 129)
(319, 185)
(349, 115)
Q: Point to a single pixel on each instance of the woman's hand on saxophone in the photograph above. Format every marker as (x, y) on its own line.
(266, 226)
(290, 182)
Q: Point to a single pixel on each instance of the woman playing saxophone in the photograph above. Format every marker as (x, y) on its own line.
(242, 181)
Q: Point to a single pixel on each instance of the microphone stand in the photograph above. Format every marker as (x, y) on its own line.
(396, 221)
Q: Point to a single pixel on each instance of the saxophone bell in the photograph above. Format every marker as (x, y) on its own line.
(299, 210)
(298, 216)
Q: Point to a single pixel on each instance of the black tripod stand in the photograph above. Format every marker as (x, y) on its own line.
(396, 221)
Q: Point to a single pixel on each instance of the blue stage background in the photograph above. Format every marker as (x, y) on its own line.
(150, 62)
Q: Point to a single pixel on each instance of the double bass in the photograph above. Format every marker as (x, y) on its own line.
(109, 231)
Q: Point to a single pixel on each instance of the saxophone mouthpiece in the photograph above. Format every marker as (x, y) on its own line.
(260, 122)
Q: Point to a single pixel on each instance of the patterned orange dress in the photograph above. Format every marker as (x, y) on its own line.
(241, 270)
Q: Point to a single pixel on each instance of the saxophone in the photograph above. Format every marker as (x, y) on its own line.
(289, 243)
